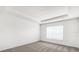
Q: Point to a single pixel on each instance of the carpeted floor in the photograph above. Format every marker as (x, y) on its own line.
(42, 47)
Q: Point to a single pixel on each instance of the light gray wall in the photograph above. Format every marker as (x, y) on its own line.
(70, 33)
(16, 30)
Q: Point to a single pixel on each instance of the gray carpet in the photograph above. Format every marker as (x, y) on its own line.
(42, 47)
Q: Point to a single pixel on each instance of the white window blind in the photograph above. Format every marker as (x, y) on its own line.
(55, 32)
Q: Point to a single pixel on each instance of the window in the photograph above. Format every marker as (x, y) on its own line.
(55, 32)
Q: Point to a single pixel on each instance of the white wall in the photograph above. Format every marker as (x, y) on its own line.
(78, 31)
(28, 31)
(16, 30)
(70, 33)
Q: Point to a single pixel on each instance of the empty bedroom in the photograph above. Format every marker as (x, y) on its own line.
(39, 28)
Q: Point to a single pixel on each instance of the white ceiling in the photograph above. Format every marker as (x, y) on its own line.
(39, 13)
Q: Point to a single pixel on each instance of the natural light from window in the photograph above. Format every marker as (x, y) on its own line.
(55, 32)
